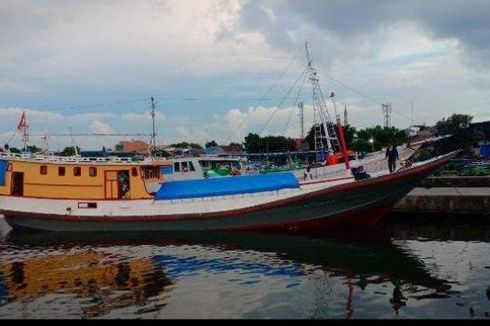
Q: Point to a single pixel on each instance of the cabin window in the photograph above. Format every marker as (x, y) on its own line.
(43, 169)
(151, 172)
(92, 171)
(134, 172)
(61, 171)
(167, 169)
(204, 164)
(191, 167)
(184, 167)
(9, 167)
(177, 167)
(77, 171)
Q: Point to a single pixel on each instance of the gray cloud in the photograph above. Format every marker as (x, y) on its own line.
(467, 21)
(63, 54)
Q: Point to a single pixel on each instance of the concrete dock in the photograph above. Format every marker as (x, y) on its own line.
(456, 181)
(474, 200)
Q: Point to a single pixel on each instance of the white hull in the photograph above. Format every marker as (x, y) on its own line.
(148, 207)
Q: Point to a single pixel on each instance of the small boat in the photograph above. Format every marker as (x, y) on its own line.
(189, 168)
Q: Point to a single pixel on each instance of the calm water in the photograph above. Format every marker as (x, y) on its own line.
(393, 271)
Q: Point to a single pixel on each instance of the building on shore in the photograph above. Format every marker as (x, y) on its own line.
(480, 136)
(133, 146)
(231, 150)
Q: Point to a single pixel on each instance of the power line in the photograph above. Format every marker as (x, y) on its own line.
(363, 95)
(353, 89)
(163, 97)
(96, 134)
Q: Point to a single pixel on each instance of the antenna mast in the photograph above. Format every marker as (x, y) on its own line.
(327, 136)
(153, 134)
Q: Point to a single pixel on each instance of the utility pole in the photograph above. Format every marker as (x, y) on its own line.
(301, 119)
(346, 122)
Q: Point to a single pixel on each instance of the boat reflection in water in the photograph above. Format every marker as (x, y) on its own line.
(139, 275)
(84, 274)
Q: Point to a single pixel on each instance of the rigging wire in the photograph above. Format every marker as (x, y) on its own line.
(362, 94)
(293, 108)
(264, 95)
(282, 101)
(12, 137)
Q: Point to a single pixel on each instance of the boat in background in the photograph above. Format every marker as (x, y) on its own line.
(202, 167)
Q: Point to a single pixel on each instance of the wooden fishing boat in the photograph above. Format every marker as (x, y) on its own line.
(82, 194)
(70, 194)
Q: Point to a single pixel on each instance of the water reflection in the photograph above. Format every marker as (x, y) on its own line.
(84, 274)
(214, 274)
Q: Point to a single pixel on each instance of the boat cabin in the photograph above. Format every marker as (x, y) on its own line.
(79, 178)
(200, 167)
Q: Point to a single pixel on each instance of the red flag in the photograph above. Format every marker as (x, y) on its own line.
(22, 122)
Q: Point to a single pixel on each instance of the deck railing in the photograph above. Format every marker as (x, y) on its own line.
(75, 159)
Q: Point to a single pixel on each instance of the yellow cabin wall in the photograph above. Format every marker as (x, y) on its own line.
(69, 186)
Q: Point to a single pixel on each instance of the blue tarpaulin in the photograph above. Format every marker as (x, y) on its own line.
(167, 169)
(3, 170)
(485, 150)
(226, 186)
(3, 289)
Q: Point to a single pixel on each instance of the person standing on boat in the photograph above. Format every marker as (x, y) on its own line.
(392, 156)
(308, 172)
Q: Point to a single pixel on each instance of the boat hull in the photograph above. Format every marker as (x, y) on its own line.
(352, 204)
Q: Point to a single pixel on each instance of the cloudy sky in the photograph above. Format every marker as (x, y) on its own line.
(222, 68)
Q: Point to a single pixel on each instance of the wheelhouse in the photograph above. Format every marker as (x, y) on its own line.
(66, 178)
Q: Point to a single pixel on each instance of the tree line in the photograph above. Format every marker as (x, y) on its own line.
(363, 140)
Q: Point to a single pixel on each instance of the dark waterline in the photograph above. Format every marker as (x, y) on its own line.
(404, 268)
